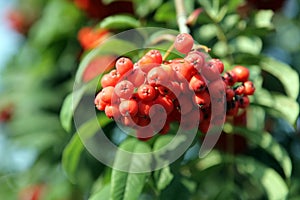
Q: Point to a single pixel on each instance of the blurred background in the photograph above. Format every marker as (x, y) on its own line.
(42, 43)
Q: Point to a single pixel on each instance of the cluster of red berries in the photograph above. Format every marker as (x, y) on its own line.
(150, 94)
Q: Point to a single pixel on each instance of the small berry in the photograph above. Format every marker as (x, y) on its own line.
(128, 107)
(106, 94)
(123, 65)
(241, 72)
(197, 83)
(184, 43)
(230, 78)
(216, 63)
(146, 92)
(124, 89)
(249, 88)
(196, 59)
(239, 90)
(157, 76)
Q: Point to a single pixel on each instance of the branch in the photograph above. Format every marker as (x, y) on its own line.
(181, 16)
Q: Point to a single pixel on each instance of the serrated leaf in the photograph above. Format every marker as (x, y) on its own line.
(163, 178)
(126, 185)
(103, 194)
(283, 72)
(119, 22)
(271, 181)
(265, 141)
(278, 104)
(72, 152)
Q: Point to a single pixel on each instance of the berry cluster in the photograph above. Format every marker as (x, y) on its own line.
(150, 94)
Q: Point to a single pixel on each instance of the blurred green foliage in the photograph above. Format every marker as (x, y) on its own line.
(38, 83)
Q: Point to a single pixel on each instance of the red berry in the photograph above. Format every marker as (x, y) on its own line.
(156, 55)
(196, 59)
(197, 83)
(216, 63)
(157, 76)
(110, 79)
(111, 111)
(232, 108)
(203, 99)
(229, 94)
(106, 94)
(128, 107)
(184, 43)
(124, 89)
(165, 102)
(230, 78)
(243, 101)
(136, 76)
(150, 60)
(249, 88)
(146, 92)
(241, 72)
(100, 105)
(144, 107)
(183, 69)
(123, 65)
(239, 90)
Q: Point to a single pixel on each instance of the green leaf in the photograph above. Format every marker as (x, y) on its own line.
(247, 44)
(66, 113)
(263, 19)
(145, 7)
(69, 105)
(72, 152)
(278, 105)
(270, 180)
(126, 185)
(163, 178)
(55, 23)
(119, 22)
(165, 13)
(103, 194)
(71, 156)
(283, 72)
(265, 141)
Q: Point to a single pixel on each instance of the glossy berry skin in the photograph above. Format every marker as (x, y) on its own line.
(242, 73)
(184, 43)
(110, 79)
(183, 69)
(239, 90)
(249, 88)
(243, 102)
(100, 105)
(146, 92)
(128, 107)
(124, 89)
(124, 65)
(106, 94)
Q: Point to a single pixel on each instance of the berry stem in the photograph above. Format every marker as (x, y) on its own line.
(168, 52)
(181, 16)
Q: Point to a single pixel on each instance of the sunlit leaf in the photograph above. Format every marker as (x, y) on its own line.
(103, 194)
(283, 72)
(163, 177)
(265, 141)
(271, 181)
(119, 22)
(277, 105)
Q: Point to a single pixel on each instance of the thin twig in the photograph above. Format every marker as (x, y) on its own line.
(181, 16)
